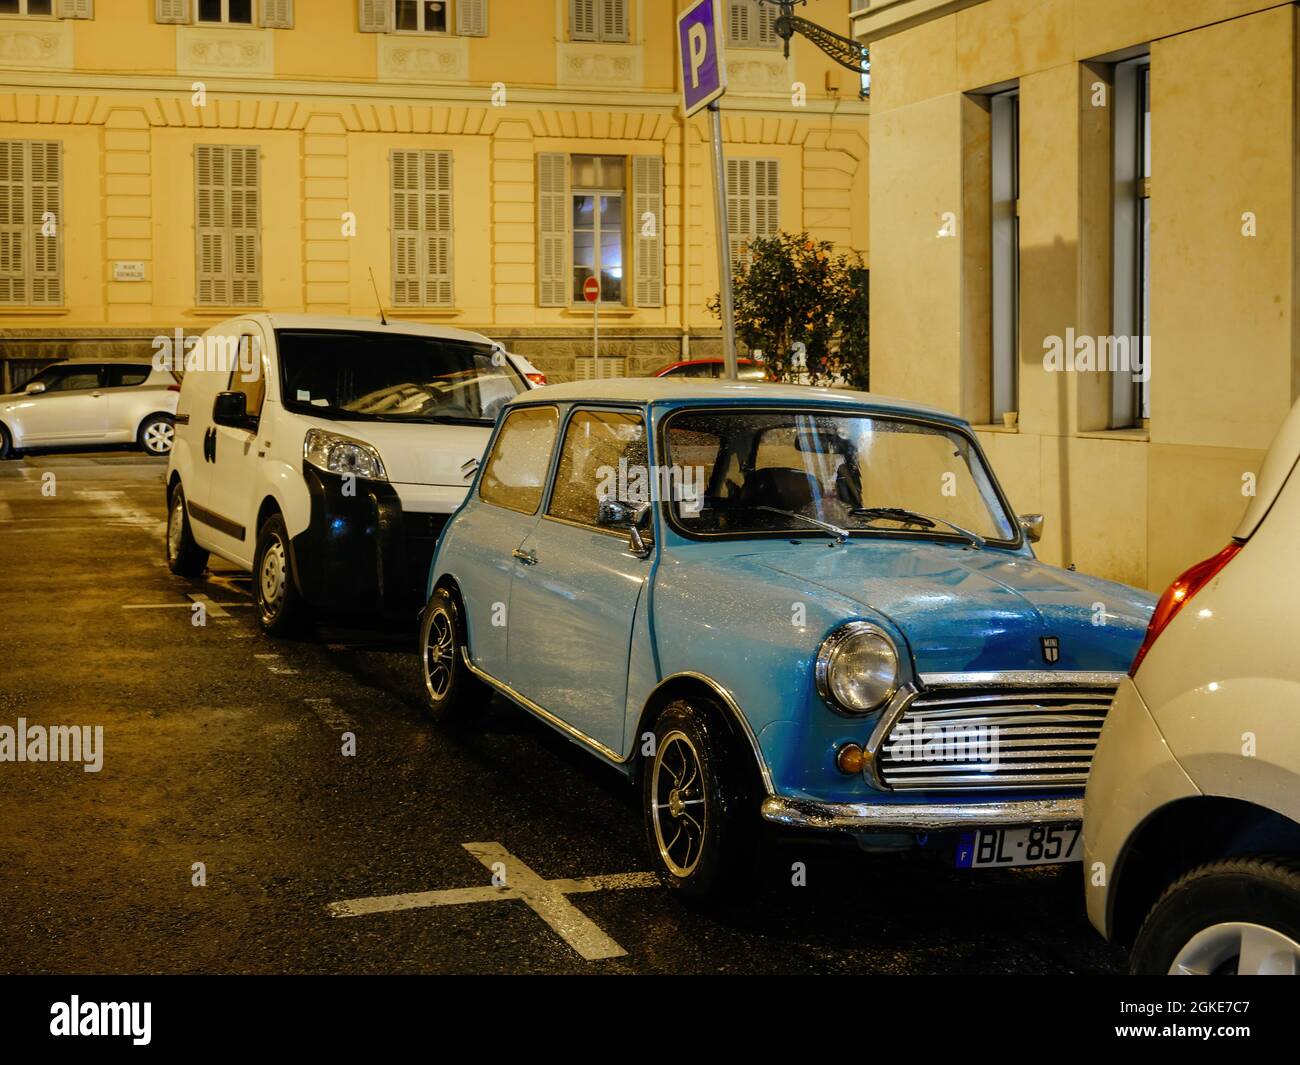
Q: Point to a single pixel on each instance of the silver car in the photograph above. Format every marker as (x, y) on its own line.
(78, 403)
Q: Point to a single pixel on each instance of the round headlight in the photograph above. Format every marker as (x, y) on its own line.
(857, 667)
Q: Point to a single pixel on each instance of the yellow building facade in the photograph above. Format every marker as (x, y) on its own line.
(166, 163)
(1054, 182)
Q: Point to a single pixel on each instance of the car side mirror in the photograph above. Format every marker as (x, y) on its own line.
(231, 410)
(35, 388)
(1033, 526)
(615, 514)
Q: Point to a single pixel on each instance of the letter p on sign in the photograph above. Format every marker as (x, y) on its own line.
(700, 44)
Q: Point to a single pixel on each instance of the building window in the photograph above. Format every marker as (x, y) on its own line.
(224, 12)
(420, 16)
(228, 231)
(31, 223)
(26, 7)
(1004, 150)
(1131, 267)
(598, 20)
(421, 228)
(751, 24)
(753, 204)
(597, 187)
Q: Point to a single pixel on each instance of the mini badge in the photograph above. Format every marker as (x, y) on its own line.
(1051, 648)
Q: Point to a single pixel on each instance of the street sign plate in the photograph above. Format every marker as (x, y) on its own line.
(591, 290)
(700, 50)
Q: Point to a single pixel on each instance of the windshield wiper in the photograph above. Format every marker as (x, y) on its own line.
(911, 517)
(841, 535)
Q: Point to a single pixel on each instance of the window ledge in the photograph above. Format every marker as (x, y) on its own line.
(997, 427)
(224, 312)
(605, 312)
(422, 312)
(1141, 436)
(10, 311)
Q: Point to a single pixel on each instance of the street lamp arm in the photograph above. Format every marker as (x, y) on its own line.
(844, 50)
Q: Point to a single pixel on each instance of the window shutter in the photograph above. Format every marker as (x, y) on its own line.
(277, 14)
(740, 186)
(45, 178)
(582, 21)
(648, 250)
(13, 222)
(766, 36)
(767, 198)
(75, 9)
(375, 16)
(245, 226)
(471, 18)
(171, 11)
(404, 176)
(552, 229)
(738, 13)
(613, 20)
(210, 237)
(436, 197)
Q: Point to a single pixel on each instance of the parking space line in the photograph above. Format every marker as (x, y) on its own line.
(270, 660)
(214, 610)
(333, 717)
(546, 898)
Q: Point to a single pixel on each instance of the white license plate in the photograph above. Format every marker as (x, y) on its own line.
(988, 848)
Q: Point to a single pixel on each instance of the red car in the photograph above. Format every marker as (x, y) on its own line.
(747, 369)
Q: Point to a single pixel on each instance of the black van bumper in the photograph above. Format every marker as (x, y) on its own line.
(361, 552)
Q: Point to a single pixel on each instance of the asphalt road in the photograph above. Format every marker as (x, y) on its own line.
(224, 748)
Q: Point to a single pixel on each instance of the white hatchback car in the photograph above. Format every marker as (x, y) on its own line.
(1192, 815)
(324, 455)
(79, 403)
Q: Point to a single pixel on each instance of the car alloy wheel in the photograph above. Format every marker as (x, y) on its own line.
(1238, 948)
(158, 436)
(439, 653)
(679, 808)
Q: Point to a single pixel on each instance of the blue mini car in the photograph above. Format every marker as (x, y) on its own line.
(781, 606)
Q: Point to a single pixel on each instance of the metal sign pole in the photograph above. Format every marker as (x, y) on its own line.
(727, 306)
(595, 332)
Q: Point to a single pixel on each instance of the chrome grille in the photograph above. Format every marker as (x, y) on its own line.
(976, 739)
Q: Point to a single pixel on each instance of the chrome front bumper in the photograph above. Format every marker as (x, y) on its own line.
(917, 817)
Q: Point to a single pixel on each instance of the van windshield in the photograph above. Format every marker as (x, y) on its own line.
(393, 376)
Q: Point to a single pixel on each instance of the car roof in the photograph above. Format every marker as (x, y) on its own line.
(687, 390)
(367, 325)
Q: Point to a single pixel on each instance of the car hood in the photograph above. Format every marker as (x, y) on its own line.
(421, 453)
(964, 610)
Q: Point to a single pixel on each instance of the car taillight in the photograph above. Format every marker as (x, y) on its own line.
(1179, 594)
(173, 388)
(536, 378)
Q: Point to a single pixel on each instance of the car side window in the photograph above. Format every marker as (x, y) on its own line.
(73, 378)
(604, 456)
(515, 474)
(252, 383)
(127, 376)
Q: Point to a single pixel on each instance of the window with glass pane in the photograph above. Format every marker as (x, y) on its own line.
(26, 7)
(597, 224)
(236, 12)
(1131, 244)
(420, 16)
(595, 444)
(515, 474)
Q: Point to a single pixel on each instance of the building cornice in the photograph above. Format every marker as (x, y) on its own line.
(877, 19)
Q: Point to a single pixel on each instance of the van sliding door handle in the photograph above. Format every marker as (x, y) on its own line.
(528, 558)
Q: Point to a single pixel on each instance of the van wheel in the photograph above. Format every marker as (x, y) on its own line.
(280, 608)
(185, 557)
(451, 692)
(157, 434)
(1236, 917)
(699, 831)
(6, 444)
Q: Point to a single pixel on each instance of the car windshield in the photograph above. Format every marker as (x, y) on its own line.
(393, 376)
(762, 471)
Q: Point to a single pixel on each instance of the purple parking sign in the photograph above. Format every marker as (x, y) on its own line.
(699, 44)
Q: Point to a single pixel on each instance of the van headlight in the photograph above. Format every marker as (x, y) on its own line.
(343, 455)
(857, 667)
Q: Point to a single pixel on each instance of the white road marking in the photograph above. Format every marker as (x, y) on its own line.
(214, 610)
(213, 607)
(546, 898)
(270, 660)
(331, 715)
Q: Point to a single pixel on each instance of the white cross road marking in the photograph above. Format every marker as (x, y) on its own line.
(546, 898)
(214, 610)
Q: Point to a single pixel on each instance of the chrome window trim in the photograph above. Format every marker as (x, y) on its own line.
(1029, 678)
(917, 817)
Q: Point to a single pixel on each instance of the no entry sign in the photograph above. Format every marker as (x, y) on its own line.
(591, 290)
(699, 47)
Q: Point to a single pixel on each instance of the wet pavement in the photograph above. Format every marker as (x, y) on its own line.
(225, 748)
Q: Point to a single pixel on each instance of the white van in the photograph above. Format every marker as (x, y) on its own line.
(324, 455)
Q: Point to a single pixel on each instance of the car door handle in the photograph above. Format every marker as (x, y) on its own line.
(528, 558)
